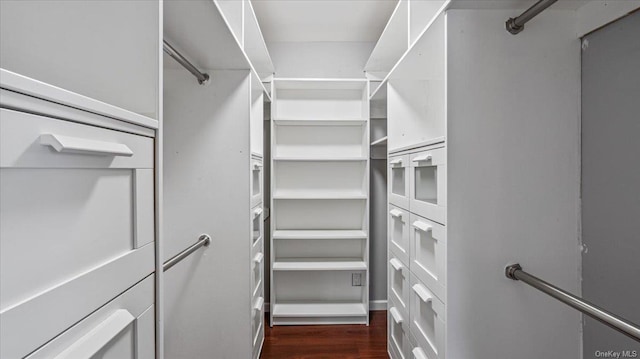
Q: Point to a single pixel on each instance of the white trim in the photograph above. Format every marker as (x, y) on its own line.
(28, 86)
(375, 305)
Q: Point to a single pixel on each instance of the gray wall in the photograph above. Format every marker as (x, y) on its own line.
(611, 179)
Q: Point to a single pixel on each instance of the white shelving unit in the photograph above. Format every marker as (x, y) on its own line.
(469, 183)
(320, 185)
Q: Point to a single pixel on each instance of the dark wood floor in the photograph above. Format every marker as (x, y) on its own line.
(328, 341)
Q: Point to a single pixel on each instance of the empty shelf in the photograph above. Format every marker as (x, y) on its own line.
(320, 122)
(284, 194)
(319, 234)
(330, 159)
(318, 264)
(380, 142)
(319, 310)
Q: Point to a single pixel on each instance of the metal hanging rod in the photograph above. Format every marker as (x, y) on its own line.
(516, 24)
(203, 241)
(622, 325)
(202, 77)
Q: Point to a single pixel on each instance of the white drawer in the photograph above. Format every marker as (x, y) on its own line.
(257, 325)
(399, 287)
(427, 319)
(123, 328)
(257, 182)
(77, 226)
(399, 181)
(257, 224)
(398, 229)
(398, 331)
(257, 272)
(428, 184)
(429, 254)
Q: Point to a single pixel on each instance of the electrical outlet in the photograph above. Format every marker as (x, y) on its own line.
(356, 279)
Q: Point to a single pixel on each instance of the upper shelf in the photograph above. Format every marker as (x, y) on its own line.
(201, 30)
(414, 34)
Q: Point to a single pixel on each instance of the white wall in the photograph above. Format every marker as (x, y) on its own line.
(320, 59)
(513, 195)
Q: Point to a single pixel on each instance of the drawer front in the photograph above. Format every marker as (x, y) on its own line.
(123, 328)
(91, 193)
(429, 254)
(257, 181)
(399, 181)
(428, 184)
(257, 325)
(398, 331)
(32, 141)
(257, 272)
(427, 319)
(257, 225)
(399, 282)
(398, 228)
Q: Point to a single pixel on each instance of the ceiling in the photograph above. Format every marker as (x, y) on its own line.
(353, 20)
(323, 20)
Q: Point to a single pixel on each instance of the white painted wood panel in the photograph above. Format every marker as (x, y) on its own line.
(520, 203)
(207, 148)
(138, 335)
(117, 65)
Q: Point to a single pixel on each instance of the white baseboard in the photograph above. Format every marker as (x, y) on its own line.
(373, 305)
(377, 305)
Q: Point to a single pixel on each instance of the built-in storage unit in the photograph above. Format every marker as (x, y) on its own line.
(213, 180)
(319, 210)
(77, 178)
(472, 160)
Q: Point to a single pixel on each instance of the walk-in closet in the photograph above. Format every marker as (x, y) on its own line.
(245, 179)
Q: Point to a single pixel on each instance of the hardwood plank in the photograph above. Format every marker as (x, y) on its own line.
(328, 341)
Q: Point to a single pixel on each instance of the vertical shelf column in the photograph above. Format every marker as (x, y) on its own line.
(320, 202)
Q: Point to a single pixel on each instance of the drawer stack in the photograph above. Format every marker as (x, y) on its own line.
(417, 252)
(77, 231)
(257, 255)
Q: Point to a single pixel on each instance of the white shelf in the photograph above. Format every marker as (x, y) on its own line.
(314, 122)
(320, 83)
(319, 234)
(254, 44)
(380, 142)
(300, 310)
(393, 42)
(329, 159)
(319, 264)
(311, 194)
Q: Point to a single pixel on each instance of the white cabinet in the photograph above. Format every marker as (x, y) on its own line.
(429, 253)
(427, 183)
(399, 342)
(398, 178)
(83, 196)
(399, 233)
(427, 319)
(399, 287)
(124, 328)
(257, 175)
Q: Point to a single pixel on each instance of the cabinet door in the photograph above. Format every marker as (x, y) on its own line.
(429, 253)
(427, 319)
(257, 182)
(76, 222)
(399, 181)
(399, 233)
(124, 328)
(427, 183)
